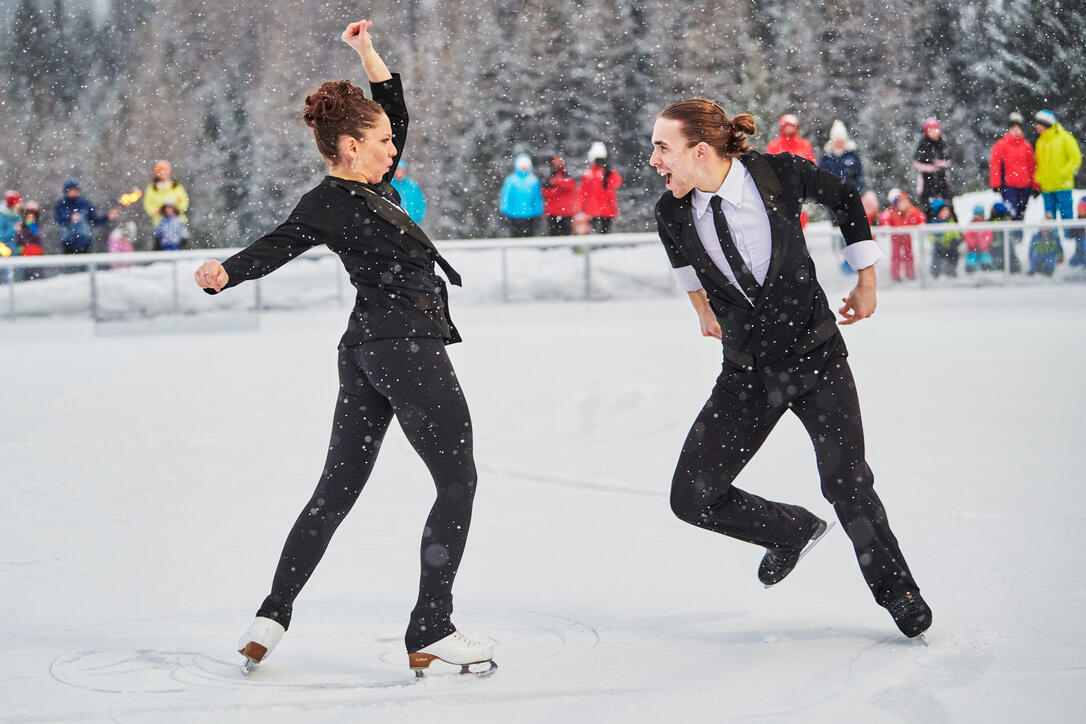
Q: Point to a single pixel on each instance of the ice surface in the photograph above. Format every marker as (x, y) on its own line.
(149, 482)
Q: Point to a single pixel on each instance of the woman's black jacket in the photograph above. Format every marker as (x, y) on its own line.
(389, 259)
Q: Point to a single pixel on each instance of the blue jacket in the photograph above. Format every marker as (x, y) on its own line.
(76, 236)
(846, 166)
(9, 219)
(522, 196)
(412, 200)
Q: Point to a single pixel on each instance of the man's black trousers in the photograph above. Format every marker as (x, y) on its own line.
(412, 379)
(731, 427)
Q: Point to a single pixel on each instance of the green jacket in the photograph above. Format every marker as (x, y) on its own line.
(1058, 157)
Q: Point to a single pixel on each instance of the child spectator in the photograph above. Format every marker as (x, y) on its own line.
(978, 245)
(944, 256)
(1045, 251)
(120, 241)
(171, 234)
(29, 239)
(1079, 235)
(901, 212)
(1000, 212)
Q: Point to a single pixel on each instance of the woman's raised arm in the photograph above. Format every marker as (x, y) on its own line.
(358, 37)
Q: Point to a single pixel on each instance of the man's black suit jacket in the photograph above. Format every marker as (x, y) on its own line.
(790, 329)
(390, 260)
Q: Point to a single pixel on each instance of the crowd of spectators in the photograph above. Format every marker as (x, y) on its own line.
(1018, 171)
(575, 204)
(75, 216)
(569, 205)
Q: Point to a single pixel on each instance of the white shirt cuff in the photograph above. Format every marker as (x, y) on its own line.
(863, 254)
(688, 278)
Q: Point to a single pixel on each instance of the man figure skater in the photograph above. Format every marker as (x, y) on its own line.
(731, 227)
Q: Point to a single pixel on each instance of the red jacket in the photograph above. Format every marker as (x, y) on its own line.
(1012, 163)
(799, 146)
(597, 201)
(912, 217)
(560, 196)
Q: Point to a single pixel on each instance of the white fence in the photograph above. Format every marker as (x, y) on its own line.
(651, 271)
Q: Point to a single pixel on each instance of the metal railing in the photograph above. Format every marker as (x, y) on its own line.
(98, 264)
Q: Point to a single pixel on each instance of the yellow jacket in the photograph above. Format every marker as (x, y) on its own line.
(153, 198)
(1058, 157)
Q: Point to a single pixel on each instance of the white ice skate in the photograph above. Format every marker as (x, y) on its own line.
(258, 641)
(455, 649)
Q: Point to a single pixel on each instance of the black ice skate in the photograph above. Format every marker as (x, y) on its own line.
(779, 562)
(910, 614)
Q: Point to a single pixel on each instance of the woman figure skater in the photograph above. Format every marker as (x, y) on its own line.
(392, 358)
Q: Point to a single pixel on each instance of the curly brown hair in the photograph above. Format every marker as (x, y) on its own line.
(703, 120)
(339, 108)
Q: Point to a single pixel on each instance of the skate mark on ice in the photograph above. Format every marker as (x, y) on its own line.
(323, 660)
(563, 482)
(120, 672)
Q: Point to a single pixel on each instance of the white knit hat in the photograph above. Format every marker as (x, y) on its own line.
(838, 132)
(597, 150)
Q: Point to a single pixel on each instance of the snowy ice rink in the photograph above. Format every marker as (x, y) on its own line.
(149, 481)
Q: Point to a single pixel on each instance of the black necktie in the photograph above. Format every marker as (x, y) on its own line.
(395, 215)
(743, 277)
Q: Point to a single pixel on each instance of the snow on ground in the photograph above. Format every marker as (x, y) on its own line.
(149, 481)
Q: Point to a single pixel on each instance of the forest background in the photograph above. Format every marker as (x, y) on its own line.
(99, 89)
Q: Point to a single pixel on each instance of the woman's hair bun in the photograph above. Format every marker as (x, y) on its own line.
(332, 102)
(337, 108)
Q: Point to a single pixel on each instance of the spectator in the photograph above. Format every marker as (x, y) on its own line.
(29, 239)
(978, 245)
(901, 212)
(559, 199)
(120, 241)
(412, 200)
(599, 190)
(944, 252)
(1011, 167)
(1079, 235)
(75, 215)
(870, 200)
(1058, 157)
(840, 157)
(171, 234)
(163, 185)
(931, 161)
(522, 198)
(1000, 212)
(1045, 251)
(789, 140)
(9, 220)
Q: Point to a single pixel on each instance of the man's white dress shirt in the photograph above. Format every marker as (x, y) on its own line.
(749, 226)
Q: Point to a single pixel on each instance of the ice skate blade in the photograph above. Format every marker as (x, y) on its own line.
(248, 666)
(921, 638)
(421, 662)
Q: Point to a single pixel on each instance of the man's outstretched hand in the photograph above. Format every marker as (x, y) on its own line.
(859, 304)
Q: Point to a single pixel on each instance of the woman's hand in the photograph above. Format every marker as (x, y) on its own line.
(211, 275)
(357, 36)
